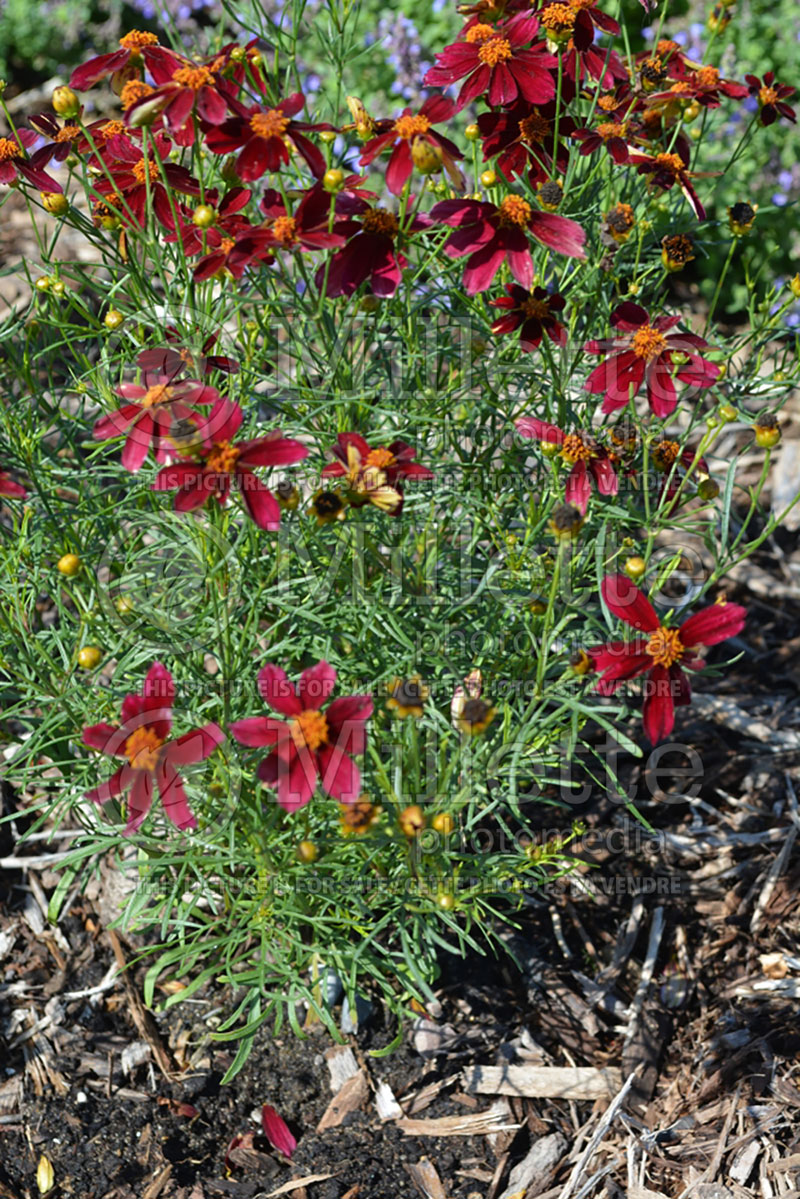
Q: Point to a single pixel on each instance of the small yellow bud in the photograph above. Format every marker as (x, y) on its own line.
(708, 489)
(44, 283)
(446, 900)
(54, 202)
(426, 158)
(472, 133)
(58, 288)
(635, 568)
(727, 412)
(66, 102)
(794, 286)
(328, 136)
(203, 216)
(307, 852)
(124, 605)
(443, 823)
(412, 820)
(767, 431)
(333, 179)
(113, 319)
(369, 303)
(488, 178)
(45, 1177)
(69, 565)
(89, 657)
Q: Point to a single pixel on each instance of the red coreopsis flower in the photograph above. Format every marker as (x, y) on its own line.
(662, 654)
(612, 133)
(371, 253)
(406, 135)
(221, 465)
(261, 135)
(70, 138)
(153, 760)
(375, 474)
(15, 163)
(492, 234)
(157, 406)
(570, 28)
(135, 51)
(310, 747)
(182, 88)
(134, 177)
(771, 98)
(703, 85)
(499, 63)
(533, 313)
(304, 229)
(589, 461)
(524, 136)
(167, 360)
(220, 243)
(647, 353)
(10, 488)
(665, 170)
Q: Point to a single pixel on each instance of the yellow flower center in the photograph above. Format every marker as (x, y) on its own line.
(145, 167)
(681, 88)
(479, 33)
(664, 454)
(767, 95)
(222, 458)
(707, 76)
(495, 51)
(309, 730)
(378, 220)
(408, 126)
(133, 91)
(648, 343)
(141, 749)
(558, 18)
(284, 230)
(575, 449)
(135, 40)
(671, 162)
(515, 211)
(9, 149)
(537, 309)
(606, 103)
(269, 124)
(68, 134)
(534, 128)
(111, 129)
(193, 77)
(665, 647)
(158, 394)
(611, 129)
(380, 458)
(227, 244)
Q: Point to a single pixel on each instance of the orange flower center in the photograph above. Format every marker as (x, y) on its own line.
(193, 77)
(665, 647)
(681, 88)
(575, 449)
(135, 40)
(141, 749)
(68, 134)
(380, 458)
(611, 129)
(478, 33)
(111, 129)
(284, 230)
(495, 51)
(145, 167)
(9, 149)
(378, 220)
(515, 211)
(665, 453)
(579, 4)
(269, 124)
(309, 730)
(536, 308)
(670, 162)
(767, 95)
(648, 343)
(408, 126)
(707, 76)
(534, 128)
(227, 244)
(558, 18)
(222, 458)
(133, 91)
(606, 103)
(666, 47)
(159, 394)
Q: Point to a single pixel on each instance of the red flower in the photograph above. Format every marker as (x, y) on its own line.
(135, 47)
(407, 132)
(10, 488)
(496, 64)
(665, 170)
(704, 85)
(222, 465)
(661, 655)
(611, 133)
(533, 313)
(375, 474)
(219, 243)
(142, 738)
(581, 451)
(571, 27)
(311, 746)
(15, 163)
(490, 235)
(771, 98)
(261, 134)
(172, 362)
(524, 135)
(647, 353)
(182, 88)
(133, 177)
(307, 228)
(371, 253)
(160, 403)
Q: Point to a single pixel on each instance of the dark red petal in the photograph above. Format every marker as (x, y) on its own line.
(626, 601)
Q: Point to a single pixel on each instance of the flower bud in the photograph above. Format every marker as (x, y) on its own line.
(767, 431)
(426, 157)
(566, 522)
(333, 180)
(741, 217)
(488, 178)
(328, 136)
(89, 657)
(443, 823)
(412, 820)
(472, 133)
(580, 663)
(54, 202)
(203, 216)
(43, 283)
(113, 319)
(635, 568)
(708, 489)
(66, 102)
(794, 286)
(369, 303)
(727, 412)
(69, 565)
(307, 852)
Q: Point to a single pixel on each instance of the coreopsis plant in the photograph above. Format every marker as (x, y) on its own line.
(349, 458)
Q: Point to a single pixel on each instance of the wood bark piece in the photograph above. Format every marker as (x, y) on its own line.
(543, 1082)
(531, 1176)
(145, 1024)
(425, 1178)
(495, 1119)
(351, 1096)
